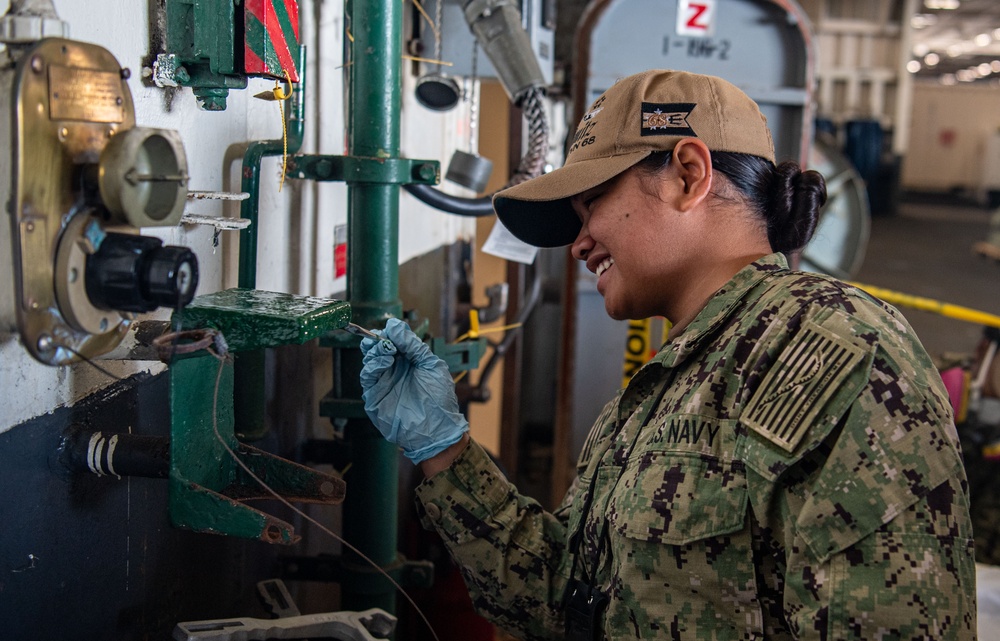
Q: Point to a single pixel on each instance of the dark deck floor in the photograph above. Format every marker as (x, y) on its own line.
(926, 250)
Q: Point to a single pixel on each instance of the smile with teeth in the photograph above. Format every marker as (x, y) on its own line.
(605, 264)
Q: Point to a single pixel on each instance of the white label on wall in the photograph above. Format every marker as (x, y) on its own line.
(696, 17)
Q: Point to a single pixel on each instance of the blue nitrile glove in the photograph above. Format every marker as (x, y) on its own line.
(409, 394)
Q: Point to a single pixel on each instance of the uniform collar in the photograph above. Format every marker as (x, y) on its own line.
(719, 308)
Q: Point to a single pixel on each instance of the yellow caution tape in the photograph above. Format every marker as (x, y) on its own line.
(929, 305)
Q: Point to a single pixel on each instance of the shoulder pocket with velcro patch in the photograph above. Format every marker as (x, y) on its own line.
(815, 379)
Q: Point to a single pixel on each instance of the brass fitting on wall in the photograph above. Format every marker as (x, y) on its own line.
(85, 178)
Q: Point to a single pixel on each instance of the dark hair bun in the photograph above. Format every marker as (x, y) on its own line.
(796, 198)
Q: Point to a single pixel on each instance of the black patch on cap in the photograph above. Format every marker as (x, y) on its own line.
(667, 119)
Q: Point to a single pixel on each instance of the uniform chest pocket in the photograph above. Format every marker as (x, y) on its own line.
(678, 499)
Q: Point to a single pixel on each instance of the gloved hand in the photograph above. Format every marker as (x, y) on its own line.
(409, 394)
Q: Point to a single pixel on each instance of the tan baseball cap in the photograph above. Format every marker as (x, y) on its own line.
(638, 115)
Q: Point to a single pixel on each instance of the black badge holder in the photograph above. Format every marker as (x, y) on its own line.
(584, 602)
(585, 612)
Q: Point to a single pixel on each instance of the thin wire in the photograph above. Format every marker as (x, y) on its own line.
(284, 149)
(91, 363)
(474, 100)
(439, 16)
(215, 427)
(420, 8)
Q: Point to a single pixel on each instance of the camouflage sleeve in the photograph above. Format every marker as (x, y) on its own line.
(510, 551)
(863, 508)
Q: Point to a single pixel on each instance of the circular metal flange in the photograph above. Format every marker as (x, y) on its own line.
(438, 92)
(78, 241)
(143, 177)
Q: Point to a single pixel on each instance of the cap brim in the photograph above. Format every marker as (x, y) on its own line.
(538, 211)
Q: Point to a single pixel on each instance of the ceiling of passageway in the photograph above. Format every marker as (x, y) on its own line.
(957, 41)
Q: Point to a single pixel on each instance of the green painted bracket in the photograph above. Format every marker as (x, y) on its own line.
(357, 169)
(203, 32)
(255, 319)
(209, 477)
(462, 356)
(201, 50)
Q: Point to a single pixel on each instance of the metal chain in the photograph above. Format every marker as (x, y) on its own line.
(438, 27)
(474, 97)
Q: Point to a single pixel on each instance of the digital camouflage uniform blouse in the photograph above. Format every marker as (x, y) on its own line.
(799, 478)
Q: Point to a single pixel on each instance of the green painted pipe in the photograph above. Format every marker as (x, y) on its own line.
(370, 507)
(249, 373)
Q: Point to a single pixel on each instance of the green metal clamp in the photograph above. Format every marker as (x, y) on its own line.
(204, 36)
(356, 169)
(462, 356)
(201, 50)
(209, 477)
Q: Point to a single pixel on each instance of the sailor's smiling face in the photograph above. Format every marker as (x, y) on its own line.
(636, 242)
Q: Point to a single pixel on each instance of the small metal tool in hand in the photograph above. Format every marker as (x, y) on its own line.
(358, 330)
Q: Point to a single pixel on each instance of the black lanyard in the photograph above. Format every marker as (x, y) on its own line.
(576, 539)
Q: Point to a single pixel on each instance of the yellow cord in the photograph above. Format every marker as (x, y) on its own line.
(486, 331)
(473, 323)
(280, 95)
(433, 61)
(474, 330)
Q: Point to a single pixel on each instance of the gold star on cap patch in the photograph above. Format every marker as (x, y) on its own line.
(667, 119)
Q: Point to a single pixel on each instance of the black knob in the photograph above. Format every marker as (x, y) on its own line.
(131, 273)
(171, 276)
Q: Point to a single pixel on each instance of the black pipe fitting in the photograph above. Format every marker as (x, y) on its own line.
(116, 453)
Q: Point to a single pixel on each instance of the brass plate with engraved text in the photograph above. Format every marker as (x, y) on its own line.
(85, 94)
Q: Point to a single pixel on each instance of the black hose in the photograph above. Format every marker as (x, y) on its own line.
(531, 165)
(451, 204)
